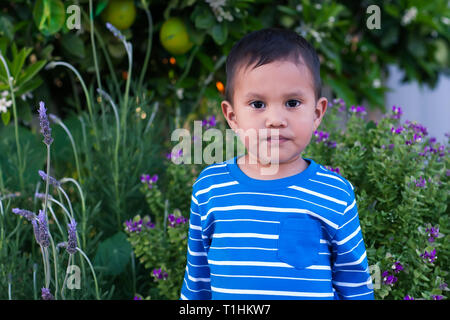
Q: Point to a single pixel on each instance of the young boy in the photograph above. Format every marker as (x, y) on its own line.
(293, 234)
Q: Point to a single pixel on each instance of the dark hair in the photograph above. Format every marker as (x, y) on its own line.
(268, 45)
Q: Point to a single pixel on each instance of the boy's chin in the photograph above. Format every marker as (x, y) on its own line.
(273, 157)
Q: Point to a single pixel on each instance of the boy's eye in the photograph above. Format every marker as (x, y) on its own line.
(293, 103)
(257, 104)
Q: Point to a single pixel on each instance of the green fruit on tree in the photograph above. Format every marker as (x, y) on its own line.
(174, 36)
(120, 13)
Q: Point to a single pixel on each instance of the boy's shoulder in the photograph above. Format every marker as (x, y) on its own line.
(214, 169)
(332, 176)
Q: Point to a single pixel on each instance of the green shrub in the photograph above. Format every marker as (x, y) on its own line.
(400, 177)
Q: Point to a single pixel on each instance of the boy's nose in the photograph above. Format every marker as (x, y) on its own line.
(275, 119)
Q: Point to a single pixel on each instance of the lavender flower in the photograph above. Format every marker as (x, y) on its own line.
(44, 124)
(46, 294)
(30, 216)
(72, 240)
(43, 230)
(115, 32)
(51, 180)
(36, 230)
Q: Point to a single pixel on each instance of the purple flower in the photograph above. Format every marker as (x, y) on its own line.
(44, 124)
(321, 136)
(209, 122)
(175, 155)
(396, 112)
(397, 267)
(150, 180)
(136, 226)
(390, 280)
(51, 180)
(137, 298)
(36, 230)
(159, 274)
(30, 216)
(432, 233)
(72, 240)
(422, 182)
(437, 297)
(358, 110)
(399, 130)
(333, 169)
(43, 229)
(46, 294)
(408, 297)
(175, 221)
(331, 144)
(429, 257)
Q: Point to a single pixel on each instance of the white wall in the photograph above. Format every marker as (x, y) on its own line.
(429, 107)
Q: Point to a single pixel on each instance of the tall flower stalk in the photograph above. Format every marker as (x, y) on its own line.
(106, 96)
(149, 43)
(129, 49)
(20, 161)
(53, 64)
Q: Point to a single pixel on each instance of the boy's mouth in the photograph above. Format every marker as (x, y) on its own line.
(280, 139)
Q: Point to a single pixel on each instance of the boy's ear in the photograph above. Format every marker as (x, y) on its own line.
(228, 113)
(319, 111)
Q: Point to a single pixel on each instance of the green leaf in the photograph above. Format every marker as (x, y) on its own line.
(28, 86)
(204, 19)
(342, 90)
(101, 6)
(18, 61)
(49, 16)
(219, 33)
(30, 72)
(6, 117)
(287, 10)
(73, 45)
(6, 27)
(113, 254)
(205, 60)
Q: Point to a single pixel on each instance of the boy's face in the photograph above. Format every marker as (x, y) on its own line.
(278, 95)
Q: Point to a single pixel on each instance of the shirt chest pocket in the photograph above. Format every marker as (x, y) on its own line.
(299, 241)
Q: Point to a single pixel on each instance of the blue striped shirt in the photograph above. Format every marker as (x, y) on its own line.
(297, 237)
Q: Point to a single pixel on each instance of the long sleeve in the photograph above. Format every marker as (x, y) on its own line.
(197, 282)
(351, 277)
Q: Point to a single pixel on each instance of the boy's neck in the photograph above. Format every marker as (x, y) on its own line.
(285, 169)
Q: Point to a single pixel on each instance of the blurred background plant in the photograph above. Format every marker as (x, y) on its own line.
(117, 93)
